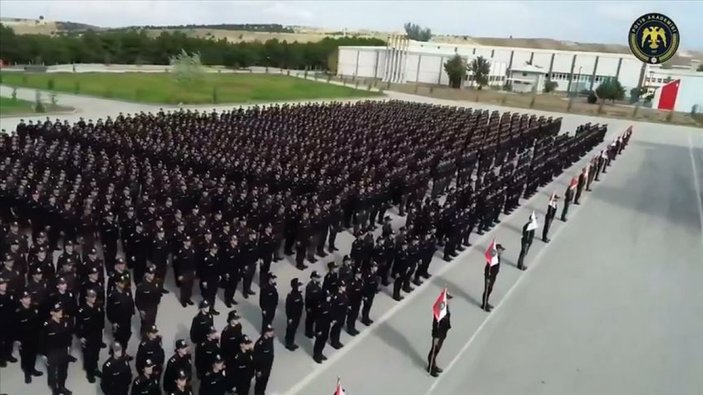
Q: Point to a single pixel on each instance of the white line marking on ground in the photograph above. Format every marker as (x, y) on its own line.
(696, 183)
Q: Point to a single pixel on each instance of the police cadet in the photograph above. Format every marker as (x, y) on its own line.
(268, 301)
(158, 256)
(263, 360)
(28, 327)
(120, 273)
(232, 270)
(14, 279)
(7, 310)
(116, 373)
(90, 322)
(490, 274)
(294, 310)
(109, 233)
(439, 333)
(549, 217)
(93, 283)
(568, 198)
(201, 324)
(214, 381)
(231, 336)
(147, 382)
(329, 284)
(267, 244)
(120, 309)
(209, 274)
(528, 234)
(401, 264)
(313, 298)
(369, 291)
(180, 385)
(582, 179)
(206, 351)
(56, 341)
(355, 293)
(323, 321)
(150, 349)
(185, 265)
(178, 365)
(242, 367)
(248, 256)
(340, 305)
(38, 288)
(147, 298)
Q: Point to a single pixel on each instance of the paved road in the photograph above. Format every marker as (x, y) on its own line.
(612, 305)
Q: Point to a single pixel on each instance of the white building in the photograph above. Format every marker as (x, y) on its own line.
(527, 78)
(407, 61)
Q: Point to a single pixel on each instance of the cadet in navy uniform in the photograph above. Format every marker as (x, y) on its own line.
(116, 374)
(549, 217)
(263, 360)
(243, 367)
(369, 291)
(7, 310)
(214, 382)
(209, 275)
(185, 266)
(120, 309)
(90, 322)
(28, 325)
(205, 352)
(525, 244)
(340, 305)
(150, 349)
(201, 323)
(323, 320)
(180, 385)
(268, 301)
(490, 273)
(147, 298)
(355, 293)
(294, 310)
(57, 335)
(178, 365)
(313, 297)
(439, 333)
(147, 382)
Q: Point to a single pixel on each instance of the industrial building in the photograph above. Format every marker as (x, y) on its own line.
(408, 61)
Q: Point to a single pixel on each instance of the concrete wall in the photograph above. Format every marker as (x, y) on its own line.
(690, 93)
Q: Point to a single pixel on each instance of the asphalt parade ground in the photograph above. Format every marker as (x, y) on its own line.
(613, 305)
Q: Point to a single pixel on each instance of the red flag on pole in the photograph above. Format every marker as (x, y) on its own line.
(439, 309)
(339, 390)
(491, 254)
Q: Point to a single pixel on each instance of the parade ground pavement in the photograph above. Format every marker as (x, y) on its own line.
(613, 305)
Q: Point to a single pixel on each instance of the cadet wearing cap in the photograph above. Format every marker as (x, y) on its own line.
(151, 349)
(263, 360)
(268, 301)
(181, 385)
(116, 374)
(38, 288)
(340, 305)
(323, 321)
(185, 265)
(28, 326)
(7, 305)
(56, 340)
(231, 336)
(313, 297)
(201, 324)
(214, 382)
(147, 382)
(209, 274)
(90, 322)
(147, 298)
(205, 352)
(369, 291)
(490, 275)
(178, 365)
(120, 309)
(331, 278)
(242, 367)
(294, 310)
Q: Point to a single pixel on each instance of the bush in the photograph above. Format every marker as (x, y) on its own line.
(50, 84)
(550, 86)
(592, 98)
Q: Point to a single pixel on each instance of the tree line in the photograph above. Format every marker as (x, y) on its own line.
(249, 27)
(138, 47)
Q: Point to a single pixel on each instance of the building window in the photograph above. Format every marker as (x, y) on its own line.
(524, 74)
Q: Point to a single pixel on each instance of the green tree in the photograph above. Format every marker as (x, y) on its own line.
(417, 33)
(610, 89)
(456, 70)
(479, 69)
(187, 68)
(550, 86)
(635, 94)
(700, 67)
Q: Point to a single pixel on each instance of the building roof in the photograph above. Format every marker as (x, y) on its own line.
(528, 68)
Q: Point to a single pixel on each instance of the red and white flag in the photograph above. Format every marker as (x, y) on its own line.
(439, 309)
(339, 390)
(574, 183)
(533, 222)
(491, 254)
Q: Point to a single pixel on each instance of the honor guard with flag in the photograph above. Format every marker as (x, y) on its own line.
(441, 323)
(569, 197)
(490, 272)
(549, 217)
(581, 183)
(528, 234)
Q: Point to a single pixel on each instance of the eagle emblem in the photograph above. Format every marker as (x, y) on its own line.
(654, 38)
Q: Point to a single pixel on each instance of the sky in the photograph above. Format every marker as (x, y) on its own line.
(582, 21)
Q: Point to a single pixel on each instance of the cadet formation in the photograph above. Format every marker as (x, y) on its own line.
(96, 216)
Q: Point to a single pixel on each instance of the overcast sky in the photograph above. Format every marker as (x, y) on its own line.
(587, 21)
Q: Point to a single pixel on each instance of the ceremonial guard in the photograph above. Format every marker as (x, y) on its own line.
(549, 217)
(528, 234)
(313, 298)
(490, 273)
(294, 311)
(268, 301)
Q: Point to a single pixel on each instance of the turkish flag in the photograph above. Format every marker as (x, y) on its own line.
(439, 309)
(574, 183)
(339, 390)
(491, 254)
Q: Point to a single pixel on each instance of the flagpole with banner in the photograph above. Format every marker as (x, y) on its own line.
(439, 311)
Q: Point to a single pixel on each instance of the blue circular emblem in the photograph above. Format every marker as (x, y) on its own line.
(654, 38)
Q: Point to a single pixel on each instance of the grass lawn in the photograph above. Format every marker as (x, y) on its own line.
(162, 87)
(15, 107)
